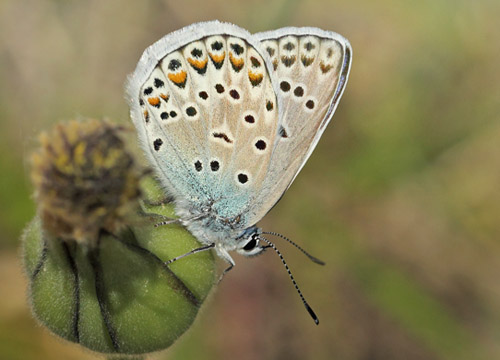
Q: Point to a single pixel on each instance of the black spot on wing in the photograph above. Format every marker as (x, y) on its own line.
(249, 119)
(223, 136)
(157, 144)
(310, 104)
(237, 48)
(191, 111)
(261, 145)
(242, 178)
(174, 64)
(158, 83)
(234, 94)
(214, 165)
(298, 91)
(219, 88)
(198, 166)
(285, 86)
(217, 45)
(197, 53)
(283, 132)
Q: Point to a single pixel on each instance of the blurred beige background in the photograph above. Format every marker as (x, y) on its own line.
(401, 197)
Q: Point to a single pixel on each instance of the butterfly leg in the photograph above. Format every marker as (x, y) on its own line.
(168, 220)
(225, 255)
(161, 219)
(194, 251)
(225, 272)
(164, 201)
(165, 220)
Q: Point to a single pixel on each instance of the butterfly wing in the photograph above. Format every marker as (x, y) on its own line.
(311, 67)
(204, 106)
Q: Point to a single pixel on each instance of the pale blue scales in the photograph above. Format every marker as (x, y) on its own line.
(227, 120)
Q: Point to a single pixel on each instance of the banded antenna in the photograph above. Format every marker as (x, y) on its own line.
(312, 258)
(308, 308)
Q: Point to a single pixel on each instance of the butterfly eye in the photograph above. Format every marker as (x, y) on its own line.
(250, 245)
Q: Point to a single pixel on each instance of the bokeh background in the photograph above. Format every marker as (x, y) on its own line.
(401, 197)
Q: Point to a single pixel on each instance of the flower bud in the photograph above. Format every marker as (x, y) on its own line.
(94, 260)
(84, 180)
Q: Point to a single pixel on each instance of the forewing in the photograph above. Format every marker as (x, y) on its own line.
(203, 104)
(311, 67)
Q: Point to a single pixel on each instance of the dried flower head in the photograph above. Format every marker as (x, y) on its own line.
(85, 180)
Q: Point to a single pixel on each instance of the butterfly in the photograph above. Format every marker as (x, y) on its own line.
(228, 119)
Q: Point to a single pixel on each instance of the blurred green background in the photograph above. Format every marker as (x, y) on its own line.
(401, 197)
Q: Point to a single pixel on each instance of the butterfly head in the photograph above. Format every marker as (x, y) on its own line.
(249, 242)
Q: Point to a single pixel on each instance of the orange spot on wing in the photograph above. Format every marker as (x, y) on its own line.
(307, 60)
(154, 101)
(255, 78)
(199, 64)
(164, 96)
(288, 60)
(217, 58)
(179, 77)
(325, 67)
(238, 63)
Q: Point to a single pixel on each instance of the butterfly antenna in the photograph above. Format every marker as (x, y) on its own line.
(312, 258)
(308, 308)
